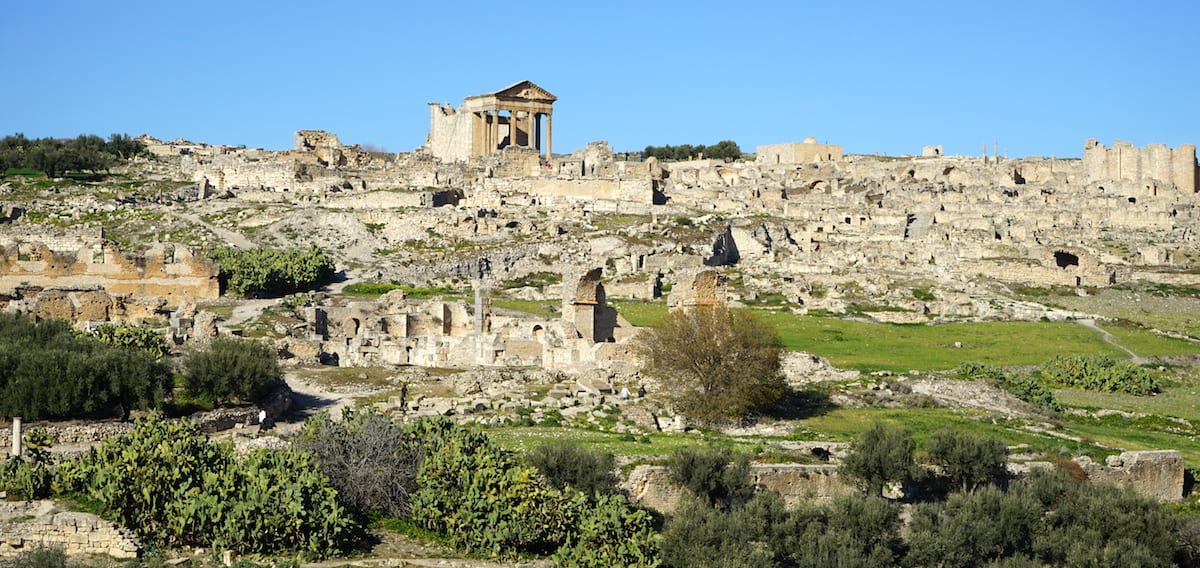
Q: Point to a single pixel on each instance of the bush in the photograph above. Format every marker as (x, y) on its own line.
(880, 455)
(1046, 519)
(40, 558)
(567, 464)
(716, 476)
(1099, 373)
(165, 480)
(479, 498)
(853, 530)
(263, 272)
(969, 460)
(716, 364)
(47, 371)
(700, 535)
(232, 370)
(132, 336)
(1024, 386)
(369, 459)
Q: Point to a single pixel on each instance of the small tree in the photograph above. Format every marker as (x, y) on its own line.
(969, 460)
(880, 455)
(232, 370)
(716, 364)
(565, 463)
(719, 477)
(369, 459)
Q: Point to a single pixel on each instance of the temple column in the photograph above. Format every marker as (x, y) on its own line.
(549, 133)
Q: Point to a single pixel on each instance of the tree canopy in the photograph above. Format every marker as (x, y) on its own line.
(715, 364)
(724, 150)
(53, 156)
(265, 272)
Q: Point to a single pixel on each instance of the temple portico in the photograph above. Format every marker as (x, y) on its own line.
(510, 117)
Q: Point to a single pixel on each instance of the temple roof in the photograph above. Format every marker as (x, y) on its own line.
(522, 91)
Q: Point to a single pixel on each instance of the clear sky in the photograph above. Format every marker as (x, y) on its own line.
(1036, 77)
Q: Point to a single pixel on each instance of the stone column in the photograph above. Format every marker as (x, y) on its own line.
(16, 437)
(494, 130)
(549, 133)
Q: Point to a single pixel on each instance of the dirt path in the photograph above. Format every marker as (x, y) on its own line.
(231, 237)
(1108, 337)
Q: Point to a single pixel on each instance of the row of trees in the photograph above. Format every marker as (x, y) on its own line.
(1046, 519)
(53, 156)
(49, 370)
(727, 150)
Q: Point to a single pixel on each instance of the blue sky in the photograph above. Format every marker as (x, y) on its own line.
(1038, 78)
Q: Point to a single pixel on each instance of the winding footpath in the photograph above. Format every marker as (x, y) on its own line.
(1108, 337)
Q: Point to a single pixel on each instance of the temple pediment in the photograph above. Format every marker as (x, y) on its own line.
(524, 91)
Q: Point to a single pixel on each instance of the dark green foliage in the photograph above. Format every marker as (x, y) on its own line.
(853, 530)
(610, 532)
(28, 477)
(880, 455)
(727, 150)
(271, 273)
(178, 489)
(478, 496)
(923, 295)
(718, 477)
(47, 371)
(232, 370)
(567, 464)
(1099, 373)
(132, 336)
(1047, 519)
(369, 459)
(968, 460)
(1024, 386)
(699, 535)
(718, 365)
(483, 500)
(52, 156)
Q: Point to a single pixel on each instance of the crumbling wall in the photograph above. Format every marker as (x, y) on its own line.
(166, 270)
(1154, 474)
(1124, 162)
(39, 524)
(796, 483)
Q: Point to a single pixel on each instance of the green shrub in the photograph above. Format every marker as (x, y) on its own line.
(1024, 386)
(369, 459)
(610, 532)
(232, 370)
(880, 455)
(716, 476)
(1099, 373)
(47, 371)
(175, 488)
(567, 464)
(969, 460)
(132, 337)
(40, 558)
(480, 499)
(263, 272)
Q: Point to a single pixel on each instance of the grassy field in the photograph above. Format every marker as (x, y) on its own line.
(521, 439)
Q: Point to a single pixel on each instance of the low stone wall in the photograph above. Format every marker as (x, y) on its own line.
(38, 524)
(1154, 474)
(796, 483)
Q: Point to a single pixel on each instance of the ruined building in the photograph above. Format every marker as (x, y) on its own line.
(485, 123)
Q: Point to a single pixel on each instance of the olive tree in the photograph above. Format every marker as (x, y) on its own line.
(715, 364)
(880, 455)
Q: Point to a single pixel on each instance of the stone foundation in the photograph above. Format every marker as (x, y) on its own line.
(38, 524)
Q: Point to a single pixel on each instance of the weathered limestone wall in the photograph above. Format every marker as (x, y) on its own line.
(450, 133)
(1154, 474)
(38, 524)
(80, 306)
(166, 270)
(651, 485)
(1124, 162)
(805, 152)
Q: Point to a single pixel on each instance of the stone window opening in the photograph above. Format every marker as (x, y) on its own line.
(168, 256)
(1133, 200)
(1065, 259)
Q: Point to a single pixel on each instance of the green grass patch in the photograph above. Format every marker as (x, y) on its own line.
(844, 424)
(542, 308)
(640, 313)
(522, 439)
(1149, 344)
(375, 289)
(878, 346)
